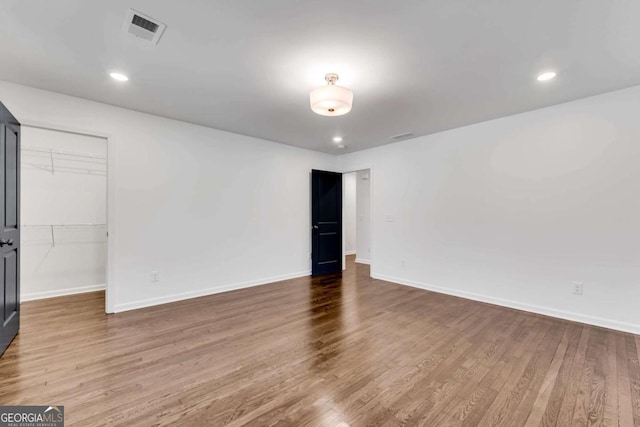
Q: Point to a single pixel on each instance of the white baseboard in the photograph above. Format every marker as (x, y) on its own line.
(61, 292)
(363, 261)
(118, 308)
(350, 252)
(566, 315)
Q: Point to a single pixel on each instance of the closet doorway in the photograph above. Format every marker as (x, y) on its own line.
(357, 216)
(63, 212)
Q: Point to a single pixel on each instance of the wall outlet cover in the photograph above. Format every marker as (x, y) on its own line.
(577, 288)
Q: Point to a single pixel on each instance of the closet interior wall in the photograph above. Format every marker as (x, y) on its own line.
(63, 210)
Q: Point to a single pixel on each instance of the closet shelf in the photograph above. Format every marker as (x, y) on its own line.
(65, 153)
(70, 156)
(63, 225)
(53, 227)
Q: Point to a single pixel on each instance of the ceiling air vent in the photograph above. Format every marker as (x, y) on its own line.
(403, 136)
(143, 26)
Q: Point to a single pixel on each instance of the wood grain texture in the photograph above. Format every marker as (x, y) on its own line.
(320, 352)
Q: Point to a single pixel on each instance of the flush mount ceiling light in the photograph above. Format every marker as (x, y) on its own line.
(337, 139)
(331, 100)
(546, 76)
(119, 77)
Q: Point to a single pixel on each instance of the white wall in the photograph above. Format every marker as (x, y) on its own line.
(209, 210)
(363, 212)
(349, 185)
(514, 210)
(71, 191)
(510, 211)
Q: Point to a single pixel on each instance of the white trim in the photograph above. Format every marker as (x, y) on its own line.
(363, 261)
(57, 128)
(111, 291)
(353, 252)
(566, 315)
(61, 292)
(118, 308)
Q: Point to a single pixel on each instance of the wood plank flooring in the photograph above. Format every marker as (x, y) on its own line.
(320, 352)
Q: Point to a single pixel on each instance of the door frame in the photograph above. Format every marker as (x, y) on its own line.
(371, 214)
(110, 288)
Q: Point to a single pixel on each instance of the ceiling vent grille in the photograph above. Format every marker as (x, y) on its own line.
(403, 136)
(143, 26)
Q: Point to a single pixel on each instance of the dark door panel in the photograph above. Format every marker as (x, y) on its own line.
(11, 286)
(11, 179)
(326, 222)
(9, 228)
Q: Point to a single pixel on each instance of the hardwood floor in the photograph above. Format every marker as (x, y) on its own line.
(319, 353)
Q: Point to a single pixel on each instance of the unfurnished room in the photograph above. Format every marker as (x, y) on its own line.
(323, 214)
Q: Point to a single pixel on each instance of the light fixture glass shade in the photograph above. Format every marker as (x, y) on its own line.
(331, 100)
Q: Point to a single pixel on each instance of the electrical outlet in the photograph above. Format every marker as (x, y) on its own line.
(578, 288)
(403, 263)
(155, 276)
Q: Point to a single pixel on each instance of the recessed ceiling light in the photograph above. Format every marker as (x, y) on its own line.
(546, 76)
(119, 77)
(337, 139)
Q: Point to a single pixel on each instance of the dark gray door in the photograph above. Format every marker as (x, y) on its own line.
(9, 227)
(326, 222)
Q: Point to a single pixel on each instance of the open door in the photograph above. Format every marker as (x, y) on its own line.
(9, 228)
(326, 222)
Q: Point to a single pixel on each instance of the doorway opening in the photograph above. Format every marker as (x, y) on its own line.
(357, 216)
(63, 213)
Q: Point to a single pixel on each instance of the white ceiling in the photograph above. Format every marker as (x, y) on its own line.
(247, 66)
